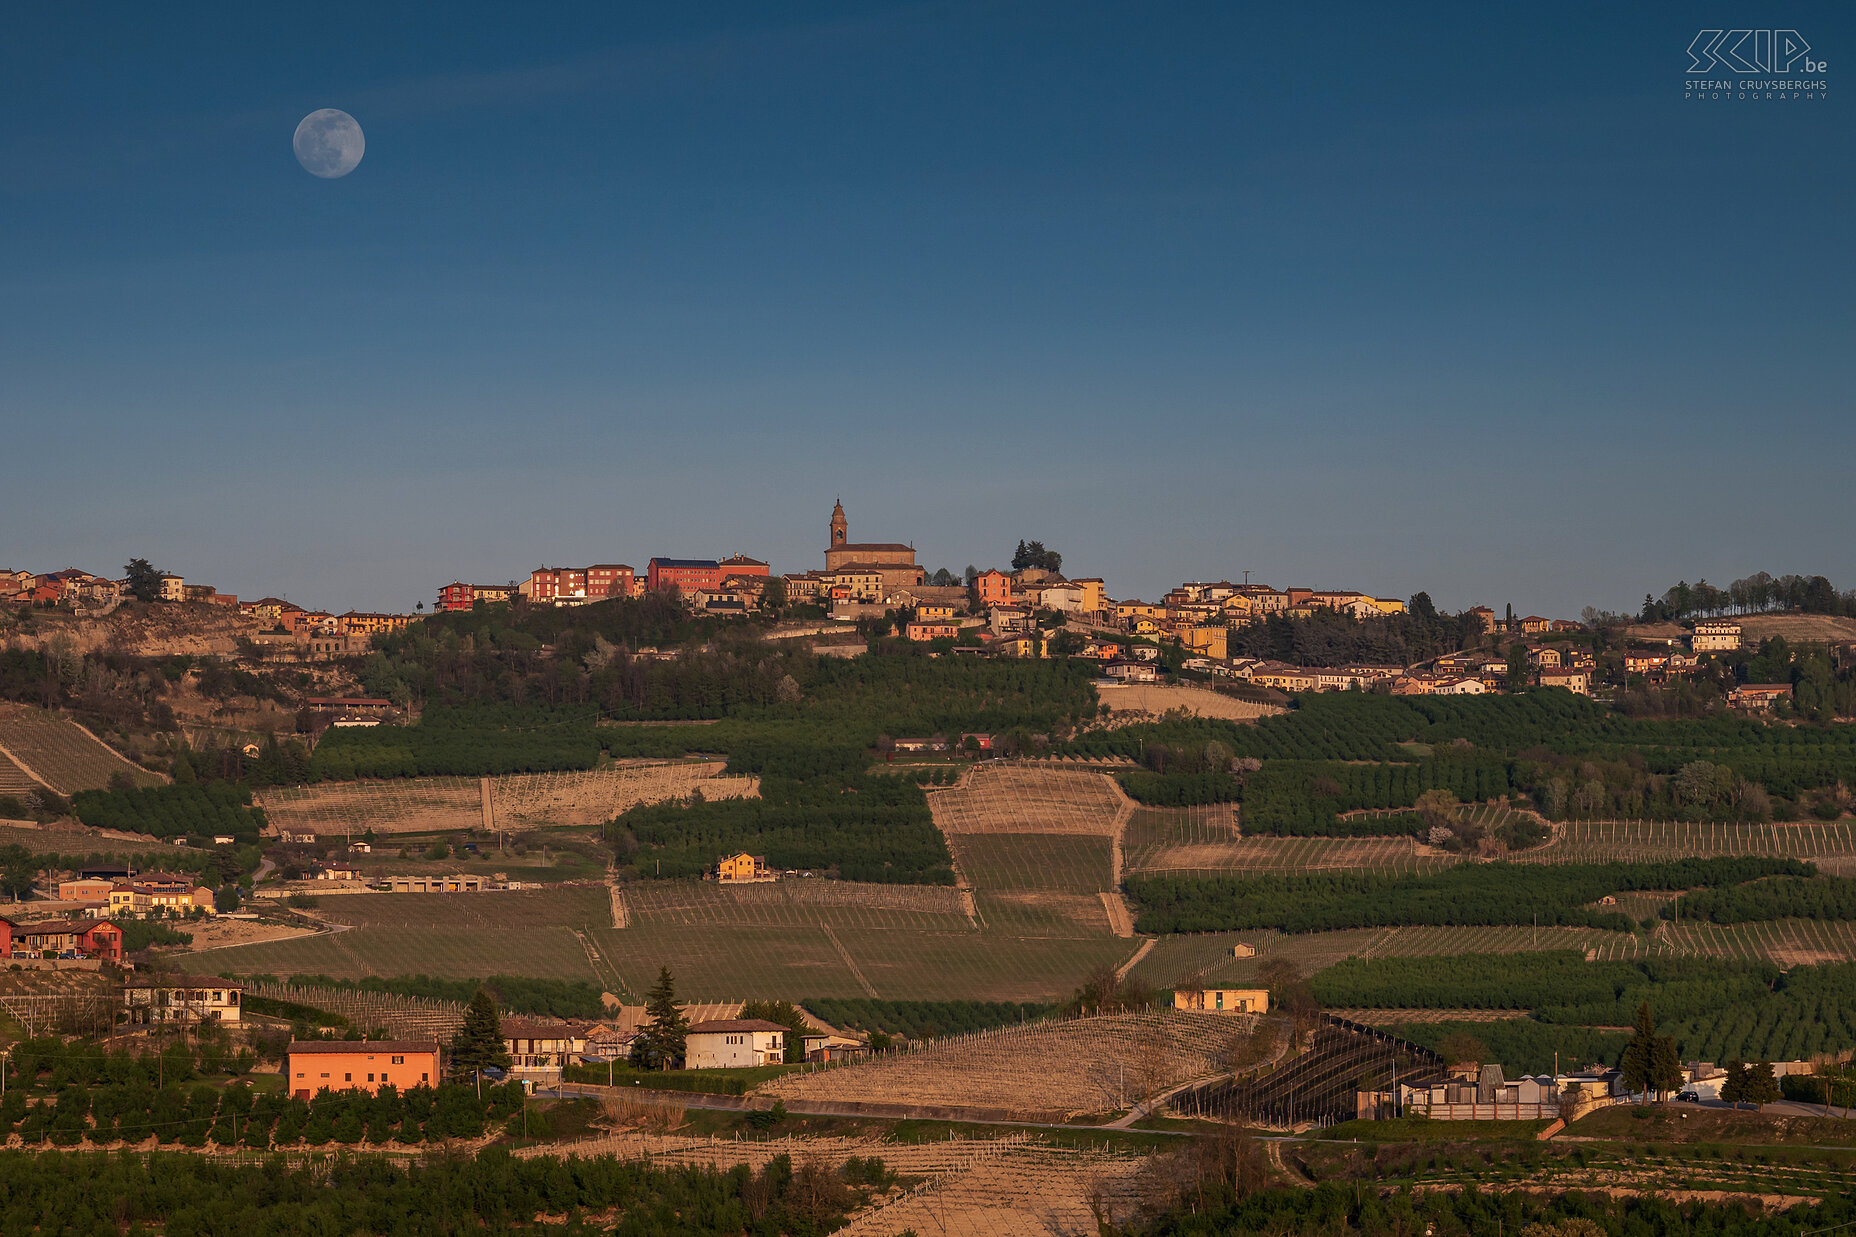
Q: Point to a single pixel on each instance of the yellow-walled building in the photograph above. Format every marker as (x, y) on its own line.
(1223, 1000)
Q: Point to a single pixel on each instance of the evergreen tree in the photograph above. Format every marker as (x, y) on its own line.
(1665, 1065)
(478, 1044)
(1762, 1084)
(787, 1015)
(143, 581)
(660, 1044)
(1733, 1087)
(1639, 1063)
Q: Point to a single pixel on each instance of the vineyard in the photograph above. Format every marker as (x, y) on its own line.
(517, 801)
(830, 939)
(1207, 839)
(1011, 798)
(404, 1017)
(1469, 894)
(1050, 1071)
(453, 936)
(66, 756)
(1832, 847)
(924, 1019)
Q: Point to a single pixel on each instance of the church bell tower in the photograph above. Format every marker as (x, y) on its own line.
(840, 528)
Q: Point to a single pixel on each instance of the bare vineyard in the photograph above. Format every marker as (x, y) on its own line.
(1030, 799)
(1787, 942)
(1156, 699)
(66, 756)
(1832, 846)
(1049, 1071)
(518, 801)
(1206, 839)
(705, 902)
(405, 1017)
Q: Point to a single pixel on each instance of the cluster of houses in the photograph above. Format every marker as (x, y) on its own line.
(124, 891)
(1473, 1092)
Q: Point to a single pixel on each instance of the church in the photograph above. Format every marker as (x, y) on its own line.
(869, 570)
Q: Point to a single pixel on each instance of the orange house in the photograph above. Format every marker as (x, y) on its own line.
(360, 1065)
(995, 588)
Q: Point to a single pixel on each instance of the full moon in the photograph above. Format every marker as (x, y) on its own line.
(328, 143)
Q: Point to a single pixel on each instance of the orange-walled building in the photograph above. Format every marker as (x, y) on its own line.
(360, 1065)
(995, 588)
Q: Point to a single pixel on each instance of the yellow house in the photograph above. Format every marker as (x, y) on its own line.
(1223, 1000)
(927, 613)
(1387, 605)
(742, 867)
(1209, 641)
(1095, 601)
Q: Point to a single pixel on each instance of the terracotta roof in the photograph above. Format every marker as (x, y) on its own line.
(185, 981)
(873, 545)
(377, 1046)
(528, 1028)
(719, 1026)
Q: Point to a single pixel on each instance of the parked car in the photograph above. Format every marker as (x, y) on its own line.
(1688, 1097)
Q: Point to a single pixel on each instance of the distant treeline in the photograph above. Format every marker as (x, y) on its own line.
(1480, 894)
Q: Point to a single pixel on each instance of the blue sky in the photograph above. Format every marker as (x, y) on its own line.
(1467, 299)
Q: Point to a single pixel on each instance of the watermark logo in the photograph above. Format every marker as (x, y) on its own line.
(1747, 53)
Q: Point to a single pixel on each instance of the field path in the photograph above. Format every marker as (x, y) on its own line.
(118, 755)
(1147, 947)
(1120, 918)
(27, 769)
(850, 963)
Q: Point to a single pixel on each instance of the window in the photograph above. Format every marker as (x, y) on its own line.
(399, 1060)
(300, 1074)
(347, 1077)
(325, 1073)
(425, 1078)
(370, 1078)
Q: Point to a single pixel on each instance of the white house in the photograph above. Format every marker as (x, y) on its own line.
(183, 998)
(725, 1043)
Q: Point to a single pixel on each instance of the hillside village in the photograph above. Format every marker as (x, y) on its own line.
(1197, 629)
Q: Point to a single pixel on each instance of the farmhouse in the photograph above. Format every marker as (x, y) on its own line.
(359, 1065)
(1223, 1000)
(538, 1050)
(97, 938)
(1132, 671)
(743, 867)
(1715, 636)
(183, 998)
(457, 882)
(724, 1043)
(1759, 695)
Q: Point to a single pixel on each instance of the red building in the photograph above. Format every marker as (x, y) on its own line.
(610, 580)
(547, 585)
(97, 938)
(689, 574)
